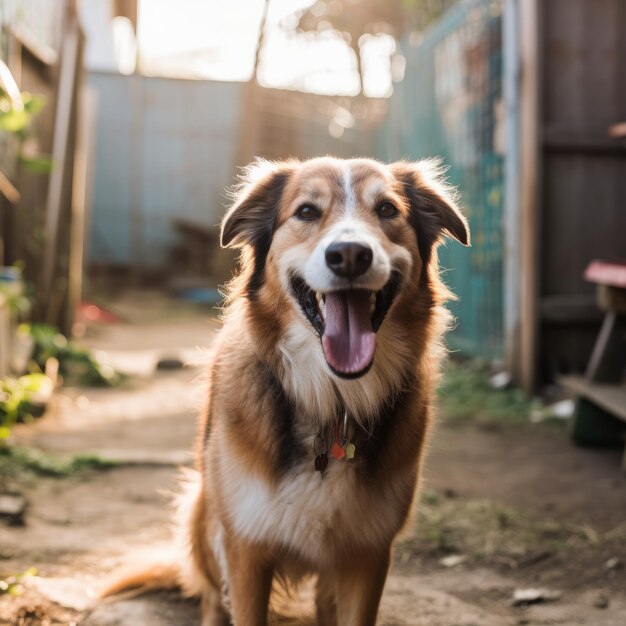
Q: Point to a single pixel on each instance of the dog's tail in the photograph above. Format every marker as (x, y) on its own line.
(149, 576)
(182, 565)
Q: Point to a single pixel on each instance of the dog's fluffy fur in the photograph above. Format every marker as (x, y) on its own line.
(257, 510)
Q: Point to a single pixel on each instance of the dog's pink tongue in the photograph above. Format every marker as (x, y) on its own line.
(349, 342)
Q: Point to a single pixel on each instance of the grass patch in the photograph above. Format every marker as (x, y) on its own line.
(15, 461)
(488, 532)
(466, 392)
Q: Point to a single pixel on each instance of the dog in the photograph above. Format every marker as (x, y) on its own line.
(321, 388)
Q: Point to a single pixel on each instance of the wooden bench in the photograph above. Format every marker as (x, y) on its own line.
(602, 390)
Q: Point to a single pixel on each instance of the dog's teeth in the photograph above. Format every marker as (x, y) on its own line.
(321, 302)
(372, 302)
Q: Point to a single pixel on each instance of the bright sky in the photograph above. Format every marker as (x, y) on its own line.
(217, 39)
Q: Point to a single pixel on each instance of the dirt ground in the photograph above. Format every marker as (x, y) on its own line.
(504, 506)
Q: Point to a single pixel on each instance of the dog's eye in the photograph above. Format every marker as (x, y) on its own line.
(307, 213)
(386, 210)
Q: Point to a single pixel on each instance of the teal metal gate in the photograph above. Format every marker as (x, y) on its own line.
(450, 105)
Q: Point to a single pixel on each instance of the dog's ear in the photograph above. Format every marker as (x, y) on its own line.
(252, 217)
(433, 204)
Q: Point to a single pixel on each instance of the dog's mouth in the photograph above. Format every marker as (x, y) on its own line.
(347, 321)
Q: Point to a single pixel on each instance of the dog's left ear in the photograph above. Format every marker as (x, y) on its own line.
(252, 217)
(433, 206)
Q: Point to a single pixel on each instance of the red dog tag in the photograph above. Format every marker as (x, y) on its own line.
(337, 451)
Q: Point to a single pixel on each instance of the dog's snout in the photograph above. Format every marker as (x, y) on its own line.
(349, 259)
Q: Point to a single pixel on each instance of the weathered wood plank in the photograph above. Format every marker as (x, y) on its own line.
(611, 398)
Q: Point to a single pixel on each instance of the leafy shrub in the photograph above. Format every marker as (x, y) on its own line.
(77, 365)
(22, 399)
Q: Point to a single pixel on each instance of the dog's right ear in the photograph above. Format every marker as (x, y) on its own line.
(252, 217)
(433, 204)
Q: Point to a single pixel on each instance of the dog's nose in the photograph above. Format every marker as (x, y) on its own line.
(348, 259)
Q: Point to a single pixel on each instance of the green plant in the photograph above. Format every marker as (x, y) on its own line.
(14, 298)
(15, 460)
(12, 584)
(16, 116)
(22, 399)
(77, 365)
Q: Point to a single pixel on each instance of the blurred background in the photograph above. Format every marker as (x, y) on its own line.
(121, 124)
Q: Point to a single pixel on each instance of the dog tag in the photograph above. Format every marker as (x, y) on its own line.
(321, 461)
(337, 451)
(350, 450)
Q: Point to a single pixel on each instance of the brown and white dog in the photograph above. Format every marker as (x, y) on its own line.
(321, 387)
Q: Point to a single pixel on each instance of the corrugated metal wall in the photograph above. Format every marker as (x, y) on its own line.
(450, 105)
(165, 149)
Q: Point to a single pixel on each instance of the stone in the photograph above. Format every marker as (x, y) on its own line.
(12, 508)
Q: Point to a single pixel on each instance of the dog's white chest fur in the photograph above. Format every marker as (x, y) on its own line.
(308, 513)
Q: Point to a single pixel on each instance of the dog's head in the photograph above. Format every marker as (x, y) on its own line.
(337, 241)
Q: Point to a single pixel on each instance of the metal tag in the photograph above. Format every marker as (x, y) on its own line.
(321, 462)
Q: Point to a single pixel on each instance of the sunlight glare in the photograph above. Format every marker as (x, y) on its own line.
(124, 45)
(213, 39)
(217, 39)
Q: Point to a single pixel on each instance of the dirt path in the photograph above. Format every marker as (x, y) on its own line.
(519, 506)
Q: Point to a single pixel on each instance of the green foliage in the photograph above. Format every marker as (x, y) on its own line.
(22, 399)
(466, 392)
(11, 584)
(16, 460)
(15, 300)
(38, 164)
(17, 120)
(25, 398)
(77, 365)
(14, 121)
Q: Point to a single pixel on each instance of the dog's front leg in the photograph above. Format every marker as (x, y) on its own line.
(359, 589)
(250, 576)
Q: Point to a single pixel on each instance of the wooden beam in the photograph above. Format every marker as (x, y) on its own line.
(530, 185)
(66, 98)
(80, 200)
(43, 53)
(511, 217)
(558, 140)
(8, 190)
(126, 8)
(610, 398)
